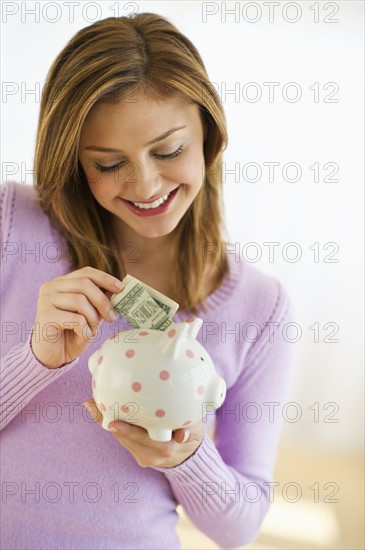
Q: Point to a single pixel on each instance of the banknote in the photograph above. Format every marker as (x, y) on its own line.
(143, 306)
(165, 303)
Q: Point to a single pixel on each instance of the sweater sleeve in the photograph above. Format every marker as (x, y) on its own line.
(22, 376)
(230, 478)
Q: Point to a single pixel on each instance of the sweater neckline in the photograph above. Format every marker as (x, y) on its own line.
(224, 292)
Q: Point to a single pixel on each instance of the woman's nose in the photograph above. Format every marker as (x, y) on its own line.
(145, 180)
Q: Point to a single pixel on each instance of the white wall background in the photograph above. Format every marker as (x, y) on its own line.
(255, 43)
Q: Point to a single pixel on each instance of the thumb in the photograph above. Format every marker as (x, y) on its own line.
(93, 410)
(182, 435)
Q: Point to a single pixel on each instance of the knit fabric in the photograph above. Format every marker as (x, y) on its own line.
(69, 484)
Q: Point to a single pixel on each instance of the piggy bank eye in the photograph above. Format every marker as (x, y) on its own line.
(202, 358)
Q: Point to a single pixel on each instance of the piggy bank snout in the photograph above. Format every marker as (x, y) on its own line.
(221, 391)
(218, 392)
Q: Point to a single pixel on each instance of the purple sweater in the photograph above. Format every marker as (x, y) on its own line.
(66, 482)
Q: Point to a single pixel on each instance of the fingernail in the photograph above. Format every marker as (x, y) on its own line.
(113, 315)
(112, 429)
(186, 436)
(119, 284)
(87, 406)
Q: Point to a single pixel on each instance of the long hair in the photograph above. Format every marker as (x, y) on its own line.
(109, 58)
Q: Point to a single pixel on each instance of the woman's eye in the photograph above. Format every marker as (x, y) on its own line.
(109, 168)
(171, 155)
(120, 164)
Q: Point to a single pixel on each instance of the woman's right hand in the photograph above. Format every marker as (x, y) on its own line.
(70, 310)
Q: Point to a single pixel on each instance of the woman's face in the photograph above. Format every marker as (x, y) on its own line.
(143, 160)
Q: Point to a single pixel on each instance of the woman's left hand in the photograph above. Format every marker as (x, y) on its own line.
(148, 452)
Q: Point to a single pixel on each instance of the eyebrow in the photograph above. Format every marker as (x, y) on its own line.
(156, 140)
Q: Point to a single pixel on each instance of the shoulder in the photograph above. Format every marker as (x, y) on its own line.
(251, 295)
(29, 239)
(245, 319)
(22, 219)
(19, 203)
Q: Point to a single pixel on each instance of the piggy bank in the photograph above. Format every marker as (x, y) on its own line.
(159, 380)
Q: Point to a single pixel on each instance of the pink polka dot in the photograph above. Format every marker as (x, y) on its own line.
(94, 384)
(187, 423)
(103, 407)
(190, 320)
(129, 353)
(100, 360)
(160, 413)
(143, 333)
(171, 333)
(124, 408)
(164, 375)
(201, 390)
(189, 353)
(136, 386)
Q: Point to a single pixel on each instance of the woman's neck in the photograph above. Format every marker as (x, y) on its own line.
(148, 259)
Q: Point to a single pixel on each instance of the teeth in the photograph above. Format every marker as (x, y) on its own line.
(155, 204)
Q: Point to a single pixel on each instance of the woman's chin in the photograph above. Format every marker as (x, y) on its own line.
(154, 232)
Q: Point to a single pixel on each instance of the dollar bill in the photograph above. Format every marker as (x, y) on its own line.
(143, 306)
(165, 303)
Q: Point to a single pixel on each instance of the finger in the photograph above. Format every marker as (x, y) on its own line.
(57, 320)
(134, 439)
(77, 303)
(182, 435)
(100, 278)
(145, 455)
(194, 433)
(93, 410)
(88, 298)
(145, 451)
(130, 431)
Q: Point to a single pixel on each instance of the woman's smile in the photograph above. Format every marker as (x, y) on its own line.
(154, 208)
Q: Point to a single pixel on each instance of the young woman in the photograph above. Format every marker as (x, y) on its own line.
(128, 163)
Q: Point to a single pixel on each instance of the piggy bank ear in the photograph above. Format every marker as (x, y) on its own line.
(195, 324)
(177, 335)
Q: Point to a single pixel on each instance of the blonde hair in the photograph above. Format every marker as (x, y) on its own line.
(108, 59)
